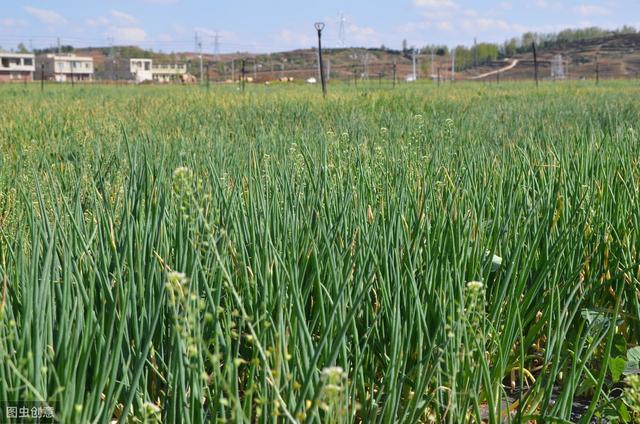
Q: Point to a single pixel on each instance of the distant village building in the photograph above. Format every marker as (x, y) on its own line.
(168, 72)
(62, 68)
(17, 66)
(133, 69)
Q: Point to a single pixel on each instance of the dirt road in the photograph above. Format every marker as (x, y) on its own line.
(506, 68)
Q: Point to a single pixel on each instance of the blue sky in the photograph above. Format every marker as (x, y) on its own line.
(260, 26)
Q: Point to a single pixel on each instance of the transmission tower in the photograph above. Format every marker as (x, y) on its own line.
(110, 39)
(216, 43)
(198, 43)
(475, 52)
(342, 34)
(557, 68)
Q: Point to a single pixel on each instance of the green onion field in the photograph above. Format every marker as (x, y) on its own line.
(423, 254)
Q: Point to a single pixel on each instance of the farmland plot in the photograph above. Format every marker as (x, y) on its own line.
(448, 254)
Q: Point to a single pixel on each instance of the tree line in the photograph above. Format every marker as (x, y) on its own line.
(483, 53)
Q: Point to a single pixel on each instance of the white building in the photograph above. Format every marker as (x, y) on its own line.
(17, 66)
(63, 68)
(134, 69)
(168, 72)
(141, 69)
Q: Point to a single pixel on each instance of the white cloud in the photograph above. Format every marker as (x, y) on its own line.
(362, 34)
(448, 16)
(128, 34)
(414, 27)
(6, 23)
(548, 5)
(123, 17)
(438, 10)
(294, 39)
(46, 16)
(436, 4)
(98, 21)
(165, 37)
(591, 9)
(120, 26)
(178, 29)
(489, 24)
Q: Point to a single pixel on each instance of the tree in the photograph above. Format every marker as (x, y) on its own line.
(511, 47)
(22, 48)
(528, 38)
(442, 51)
(464, 57)
(626, 29)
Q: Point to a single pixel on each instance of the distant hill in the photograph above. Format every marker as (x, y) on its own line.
(618, 57)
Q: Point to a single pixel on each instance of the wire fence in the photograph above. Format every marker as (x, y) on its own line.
(354, 70)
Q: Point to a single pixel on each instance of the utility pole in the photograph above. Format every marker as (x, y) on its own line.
(535, 62)
(413, 62)
(242, 75)
(319, 27)
(110, 39)
(271, 63)
(453, 64)
(199, 49)
(112, 58)
(395, 65)
(365, 62)
(433, 70)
